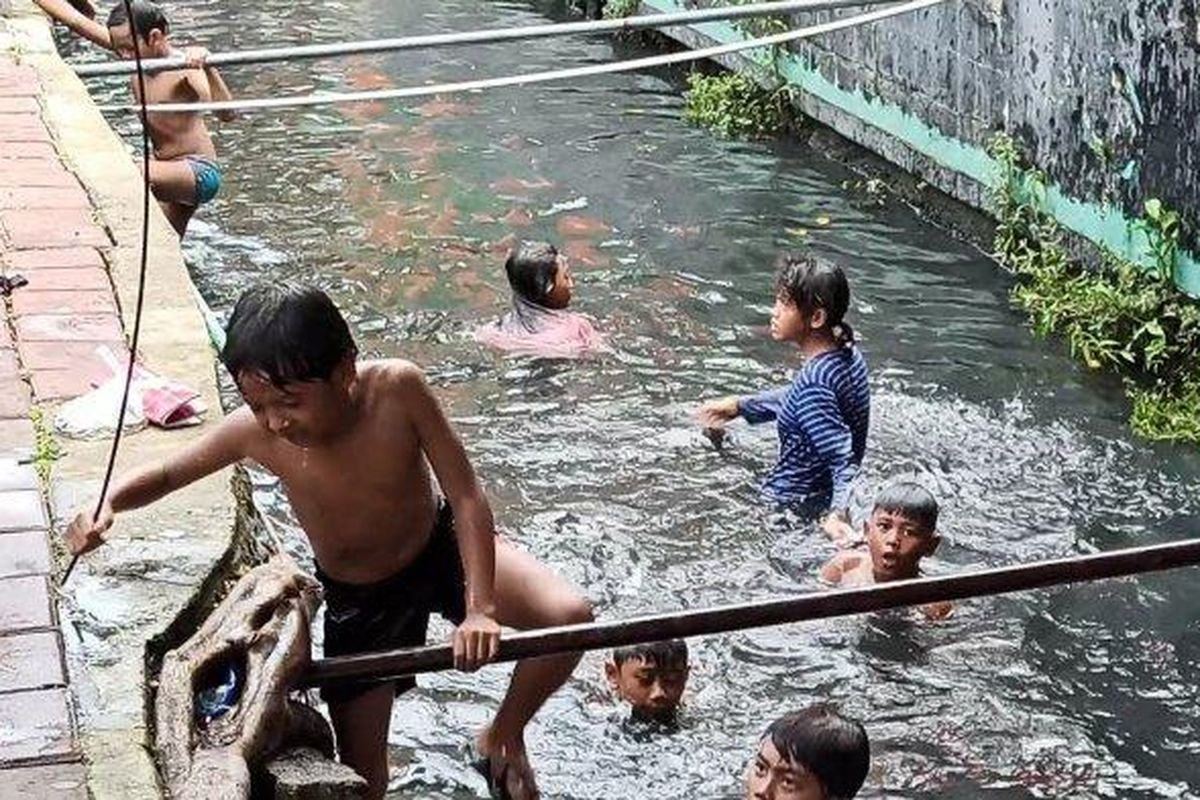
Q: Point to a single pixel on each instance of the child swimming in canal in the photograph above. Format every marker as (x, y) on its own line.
(822, 417)
(650, 677)
(353, 443)
(184, 173)
(538, 322)
(813, 754)
(901, 530)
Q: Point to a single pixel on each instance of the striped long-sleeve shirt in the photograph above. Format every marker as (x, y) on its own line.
(822, 419)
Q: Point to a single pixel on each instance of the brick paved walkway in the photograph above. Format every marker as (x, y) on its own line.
(49, 331)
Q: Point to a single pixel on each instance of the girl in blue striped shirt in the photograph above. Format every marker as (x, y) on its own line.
(822, 416)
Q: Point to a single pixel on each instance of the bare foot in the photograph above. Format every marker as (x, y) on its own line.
(511, 775)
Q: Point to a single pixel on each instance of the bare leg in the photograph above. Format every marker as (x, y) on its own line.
(361, 726)
(528, 595)
(174, 184)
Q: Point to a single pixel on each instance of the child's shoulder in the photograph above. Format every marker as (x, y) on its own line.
(391, 375)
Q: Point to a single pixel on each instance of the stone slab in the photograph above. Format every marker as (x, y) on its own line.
(58, 228)
(24, 553)
(15, 435)
(68, 328)
(31, 661)
(22, 510)
(36, 197)
(34, 171)
(72, 279)
(49, 782)
(61, 384)
(17, 150)
(17, 476)
(81, 301)
(15, 105)
(14, 400)
(37, 259)
(68, 355)
(35, 725)
(26, 607)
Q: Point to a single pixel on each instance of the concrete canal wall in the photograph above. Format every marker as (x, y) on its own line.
(1104, 96)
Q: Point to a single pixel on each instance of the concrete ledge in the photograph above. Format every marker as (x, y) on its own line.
(132, 590)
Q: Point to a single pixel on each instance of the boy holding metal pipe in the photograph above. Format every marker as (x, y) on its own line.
(184, 173)
(353, 443)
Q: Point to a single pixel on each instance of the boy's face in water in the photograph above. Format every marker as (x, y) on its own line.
(653, 690)
(897, 544)
(305, 413)
(770, 776)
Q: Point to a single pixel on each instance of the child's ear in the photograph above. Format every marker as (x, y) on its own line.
(818, 318)
(613, 673)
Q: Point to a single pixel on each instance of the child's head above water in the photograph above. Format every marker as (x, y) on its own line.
(814, 754)
(151, 24)
(812, 296)
(292, 355)
(650, 677)
(901, 530)
(538, 274)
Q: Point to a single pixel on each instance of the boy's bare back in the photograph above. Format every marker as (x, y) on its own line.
(177, 134)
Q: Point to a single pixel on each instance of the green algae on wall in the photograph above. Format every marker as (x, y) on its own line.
(1104, 224)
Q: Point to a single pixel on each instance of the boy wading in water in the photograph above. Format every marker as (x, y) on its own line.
(183, 171)
(351, 442)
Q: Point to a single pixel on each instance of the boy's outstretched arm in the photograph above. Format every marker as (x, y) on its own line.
(478, 637)
(82, 24)
(217, 449)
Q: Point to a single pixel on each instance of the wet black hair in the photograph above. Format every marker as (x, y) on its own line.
(287, 331)
(531, 268)
(146, 17)
(665, 654)
(833, 748)
(810, 282)
(912, 500)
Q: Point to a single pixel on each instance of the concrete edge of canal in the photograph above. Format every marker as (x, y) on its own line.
(142, 592)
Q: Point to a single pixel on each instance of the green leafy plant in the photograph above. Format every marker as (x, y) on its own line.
(1119, 316)
(619, 9)
(732, 104)
(45, 447)
(1161, 226)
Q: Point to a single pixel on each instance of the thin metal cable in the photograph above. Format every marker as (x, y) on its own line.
(328, 98)
(490, 36)
(141, 291)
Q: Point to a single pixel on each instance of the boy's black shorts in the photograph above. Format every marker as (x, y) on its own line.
(394, 612)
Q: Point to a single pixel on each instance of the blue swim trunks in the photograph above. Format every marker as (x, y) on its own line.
(208, 178)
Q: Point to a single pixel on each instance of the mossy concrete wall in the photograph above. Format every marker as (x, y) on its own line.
(1102, 95)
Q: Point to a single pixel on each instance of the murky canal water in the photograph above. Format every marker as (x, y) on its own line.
(403, 211)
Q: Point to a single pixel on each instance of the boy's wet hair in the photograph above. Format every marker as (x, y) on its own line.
(287, 332)
(810, 282)
(833, 748)
(146, 17)
(531, 268)
(910, 500)
(667, 654)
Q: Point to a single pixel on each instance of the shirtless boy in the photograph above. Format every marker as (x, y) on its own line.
(901, 530)
(353, 443)
(183, 171)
